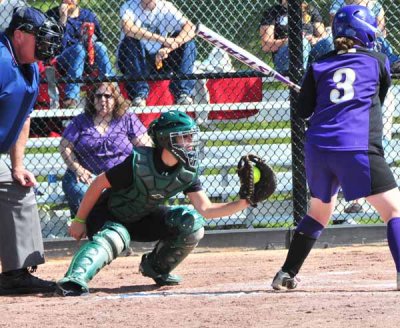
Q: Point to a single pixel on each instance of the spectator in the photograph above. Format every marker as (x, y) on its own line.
(373, 5)
(383, 45)
(274, 33)
(74, 55)
(156, 34)
(98, 139)
(30, 36)
(6, 10)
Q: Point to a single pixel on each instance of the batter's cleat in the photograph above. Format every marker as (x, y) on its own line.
(166, 279)
(283, 279)
(66, 287)
(21, 281)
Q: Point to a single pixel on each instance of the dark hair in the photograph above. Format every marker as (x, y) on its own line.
(344, 43)
(9, 31)
(121, 104)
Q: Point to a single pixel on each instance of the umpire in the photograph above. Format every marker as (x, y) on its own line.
(31, 36)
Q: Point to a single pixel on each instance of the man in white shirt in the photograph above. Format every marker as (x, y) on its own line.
(156, 37)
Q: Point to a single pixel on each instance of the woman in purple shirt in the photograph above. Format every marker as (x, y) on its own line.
(100, 138)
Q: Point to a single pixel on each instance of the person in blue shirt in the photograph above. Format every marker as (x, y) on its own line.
(156, 38)
(383, 45)
(74, 53)
(342, 95)
(274, 28)
(30, 36)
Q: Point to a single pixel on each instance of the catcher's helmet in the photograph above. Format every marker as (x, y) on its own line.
(178, 133)
(357, 23)
(48, 33)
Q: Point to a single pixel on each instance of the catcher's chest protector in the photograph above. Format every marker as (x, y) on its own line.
(149, 189)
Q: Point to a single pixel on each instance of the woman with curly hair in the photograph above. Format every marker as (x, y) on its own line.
(98, 139)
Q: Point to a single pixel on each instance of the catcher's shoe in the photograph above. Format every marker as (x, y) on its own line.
(283, 279)
(166, 279)
(21, 281)
(66, 287)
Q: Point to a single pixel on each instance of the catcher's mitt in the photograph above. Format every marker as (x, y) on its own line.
(261, 190)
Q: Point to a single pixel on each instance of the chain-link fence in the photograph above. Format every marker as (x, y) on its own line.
(149, 49)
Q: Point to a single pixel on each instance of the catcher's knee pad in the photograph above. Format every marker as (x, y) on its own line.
(185, 220)
(106, 245)
(169, 253)
(116, 236)
(190, 240)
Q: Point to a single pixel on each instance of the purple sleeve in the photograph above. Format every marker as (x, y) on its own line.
(135, 126)
(73, 130)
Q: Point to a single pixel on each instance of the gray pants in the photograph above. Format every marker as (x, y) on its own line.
(21, 243)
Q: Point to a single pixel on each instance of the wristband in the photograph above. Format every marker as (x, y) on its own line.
(79, 220)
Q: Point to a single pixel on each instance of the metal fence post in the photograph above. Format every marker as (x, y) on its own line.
(297, 124)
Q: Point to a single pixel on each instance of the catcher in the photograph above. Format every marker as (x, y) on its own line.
(132, 205)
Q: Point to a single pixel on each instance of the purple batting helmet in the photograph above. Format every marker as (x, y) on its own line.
(357, 23)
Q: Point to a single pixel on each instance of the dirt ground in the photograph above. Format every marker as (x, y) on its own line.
(346, 286)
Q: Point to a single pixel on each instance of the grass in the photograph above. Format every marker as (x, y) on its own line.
(248, 142)
(231, 126)
(42, 150)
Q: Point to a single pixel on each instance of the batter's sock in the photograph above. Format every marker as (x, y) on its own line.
(393, 236)
(305, 236)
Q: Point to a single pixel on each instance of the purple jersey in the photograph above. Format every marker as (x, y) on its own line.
(99, 152)
(343, 93)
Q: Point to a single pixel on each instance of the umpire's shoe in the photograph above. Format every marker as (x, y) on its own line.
(166, 279)
(21, 281)
(283, 279)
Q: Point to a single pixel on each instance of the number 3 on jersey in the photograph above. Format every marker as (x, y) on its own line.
(344, 87)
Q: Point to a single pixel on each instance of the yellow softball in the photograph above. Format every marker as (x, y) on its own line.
(256, 174)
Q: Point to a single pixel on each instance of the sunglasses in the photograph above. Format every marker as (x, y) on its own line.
(101, 95)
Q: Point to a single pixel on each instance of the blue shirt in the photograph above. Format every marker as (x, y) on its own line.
(375, 7)
(343, 96)
(72, 30)
(19, 85)
(277, 16)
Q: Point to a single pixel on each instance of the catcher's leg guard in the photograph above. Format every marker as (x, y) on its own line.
(106, 245)
(169, 253)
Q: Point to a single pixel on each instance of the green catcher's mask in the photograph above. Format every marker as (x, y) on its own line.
(178, 133)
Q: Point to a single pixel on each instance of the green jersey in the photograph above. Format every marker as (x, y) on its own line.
(148, 189)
